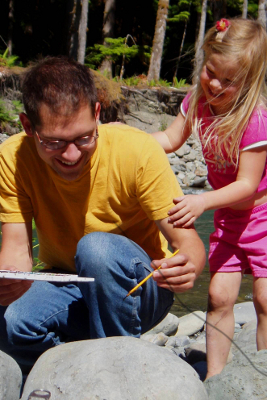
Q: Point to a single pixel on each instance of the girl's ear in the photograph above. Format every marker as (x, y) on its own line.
(26, 124)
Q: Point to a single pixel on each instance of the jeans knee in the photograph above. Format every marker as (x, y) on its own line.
(98, 250)
(15, 326)
(92, 250)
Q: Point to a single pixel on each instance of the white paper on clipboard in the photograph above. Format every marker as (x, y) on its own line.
(43, 276)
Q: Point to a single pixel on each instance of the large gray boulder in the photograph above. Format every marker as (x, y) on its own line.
(243, 379)
(117, 368)
(10, 378)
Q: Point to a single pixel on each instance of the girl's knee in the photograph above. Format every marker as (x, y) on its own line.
(260, 302)
(219, 300)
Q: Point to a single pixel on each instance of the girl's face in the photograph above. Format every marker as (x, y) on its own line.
(219, 82)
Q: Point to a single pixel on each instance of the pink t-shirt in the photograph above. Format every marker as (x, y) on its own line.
(220, 171)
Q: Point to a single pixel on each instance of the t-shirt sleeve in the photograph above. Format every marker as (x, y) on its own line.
(15, 205)
(156, 182)
(185, 105)
(256, 133)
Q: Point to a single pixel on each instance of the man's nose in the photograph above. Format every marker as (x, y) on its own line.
(71, 152)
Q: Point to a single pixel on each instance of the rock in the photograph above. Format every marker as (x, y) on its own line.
(180, 341)
(245, 340)
(117, 368)
(168, 325)
(184, 150)
(195, 352)
(191, 323)
(243, 379)
(3, 137)
(159, 338)
(10, 378)
(244, 312)
(198, 182)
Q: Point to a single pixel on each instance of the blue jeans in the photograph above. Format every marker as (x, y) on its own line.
(49, 314)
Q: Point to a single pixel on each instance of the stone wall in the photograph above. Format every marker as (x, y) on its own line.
(153, 110)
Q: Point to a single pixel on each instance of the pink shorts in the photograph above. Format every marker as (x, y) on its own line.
(239, 242)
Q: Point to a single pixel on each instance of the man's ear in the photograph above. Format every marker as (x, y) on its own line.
(97, 112)
(26, 124)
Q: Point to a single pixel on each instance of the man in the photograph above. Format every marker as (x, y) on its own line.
(99, 197)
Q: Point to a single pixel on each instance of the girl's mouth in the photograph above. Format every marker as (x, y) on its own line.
(214, 95)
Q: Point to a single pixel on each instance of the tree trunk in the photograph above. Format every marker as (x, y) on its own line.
(245, 9)
(82, 33)
(180, 52)
(75, 16)
(10, 26)
(218, 9)
(262, 13)
(108, 31)
(158, 41)
(199, 55)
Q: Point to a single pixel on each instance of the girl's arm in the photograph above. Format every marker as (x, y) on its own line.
(174, 136)
(251, 167)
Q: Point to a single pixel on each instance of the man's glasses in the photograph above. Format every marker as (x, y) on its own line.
(60, 144)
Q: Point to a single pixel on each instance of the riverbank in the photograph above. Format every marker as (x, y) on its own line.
(125, 368)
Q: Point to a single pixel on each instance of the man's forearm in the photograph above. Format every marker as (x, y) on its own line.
(194, 248)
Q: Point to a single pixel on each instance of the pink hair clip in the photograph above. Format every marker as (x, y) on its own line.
(222, 25)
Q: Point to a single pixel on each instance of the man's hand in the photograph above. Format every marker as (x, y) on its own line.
(12, 289)
(177, 273)
(187, 210)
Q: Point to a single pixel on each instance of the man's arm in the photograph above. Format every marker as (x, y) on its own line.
(16, 254)
(179, 273)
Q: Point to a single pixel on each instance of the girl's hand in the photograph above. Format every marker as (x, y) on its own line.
(187, 210)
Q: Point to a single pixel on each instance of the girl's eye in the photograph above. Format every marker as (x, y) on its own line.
(209, 71)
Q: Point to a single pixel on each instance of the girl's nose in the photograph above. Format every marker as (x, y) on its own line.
(216, 84)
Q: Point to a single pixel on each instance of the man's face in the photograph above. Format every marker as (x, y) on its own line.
(69, 161)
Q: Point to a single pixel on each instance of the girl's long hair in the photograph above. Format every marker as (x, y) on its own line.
(244, 42)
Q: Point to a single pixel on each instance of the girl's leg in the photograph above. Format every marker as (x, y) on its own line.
(223, 292)
(260, 304)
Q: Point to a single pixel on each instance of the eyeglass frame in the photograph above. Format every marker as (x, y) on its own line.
(42, 141)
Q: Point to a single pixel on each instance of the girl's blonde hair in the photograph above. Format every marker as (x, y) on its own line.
(244, 42)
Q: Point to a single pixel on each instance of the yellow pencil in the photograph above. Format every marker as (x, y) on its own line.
(147, 277)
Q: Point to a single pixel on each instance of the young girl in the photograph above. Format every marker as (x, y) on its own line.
(226, 108)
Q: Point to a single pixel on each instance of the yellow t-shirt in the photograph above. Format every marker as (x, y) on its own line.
(124, 188)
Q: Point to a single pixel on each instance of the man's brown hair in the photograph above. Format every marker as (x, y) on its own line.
(62, 84)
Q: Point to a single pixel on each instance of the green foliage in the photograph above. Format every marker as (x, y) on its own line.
(115, 50)
(8, 61)
(131, 81)
(178, 84)
(160, 83)
(9, 114)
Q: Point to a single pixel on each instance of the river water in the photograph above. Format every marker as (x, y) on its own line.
(196, 298)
